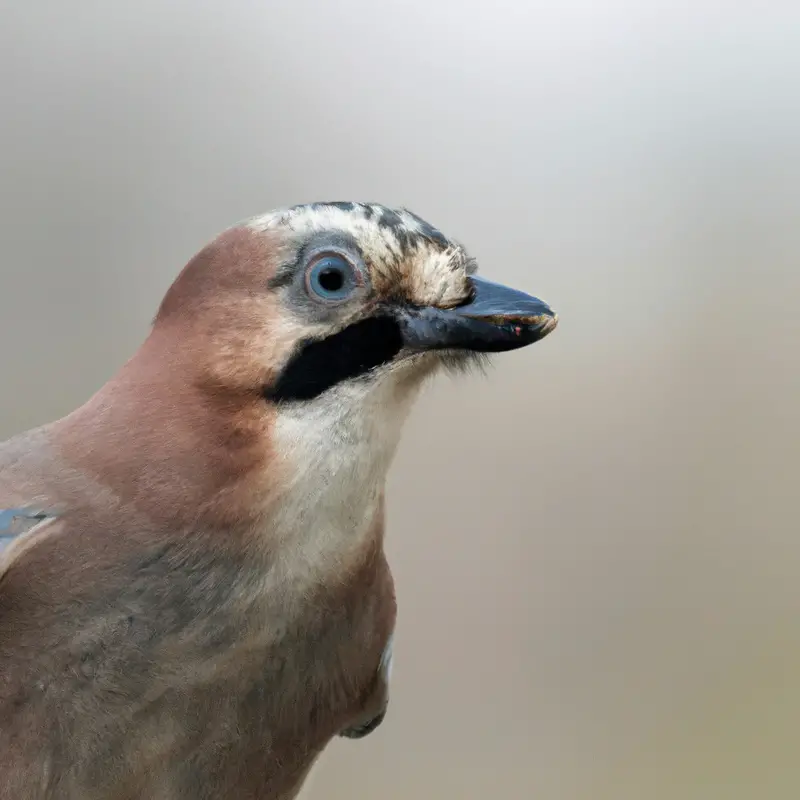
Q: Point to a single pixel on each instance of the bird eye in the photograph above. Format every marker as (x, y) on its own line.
(331, 278)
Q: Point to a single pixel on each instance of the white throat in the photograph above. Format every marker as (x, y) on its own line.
(337, 450)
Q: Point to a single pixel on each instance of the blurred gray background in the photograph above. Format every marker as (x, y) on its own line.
(597, 548)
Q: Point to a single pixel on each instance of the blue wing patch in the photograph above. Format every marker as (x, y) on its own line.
(16, 521)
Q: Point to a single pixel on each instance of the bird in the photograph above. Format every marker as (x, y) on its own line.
(195, 598)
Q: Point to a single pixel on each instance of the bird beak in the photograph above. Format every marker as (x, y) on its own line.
(494, 319)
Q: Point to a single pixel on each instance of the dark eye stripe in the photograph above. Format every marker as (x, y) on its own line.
(319, 365)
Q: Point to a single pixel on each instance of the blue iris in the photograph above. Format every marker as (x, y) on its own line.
(331, 278)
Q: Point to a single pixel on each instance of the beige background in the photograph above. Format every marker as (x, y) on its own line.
(597, 548)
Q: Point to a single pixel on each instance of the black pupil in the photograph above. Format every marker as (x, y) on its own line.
(331, 279)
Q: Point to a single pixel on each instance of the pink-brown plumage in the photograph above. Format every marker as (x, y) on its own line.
(208, 603)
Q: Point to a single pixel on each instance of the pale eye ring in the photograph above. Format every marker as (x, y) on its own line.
(331, 278)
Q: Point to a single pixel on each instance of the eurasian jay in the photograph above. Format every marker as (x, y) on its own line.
(194, 596)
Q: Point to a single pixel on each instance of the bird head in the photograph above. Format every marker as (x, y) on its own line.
(317, 302)
(285, 356)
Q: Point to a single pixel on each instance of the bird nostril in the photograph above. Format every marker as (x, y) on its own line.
(470, 298)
